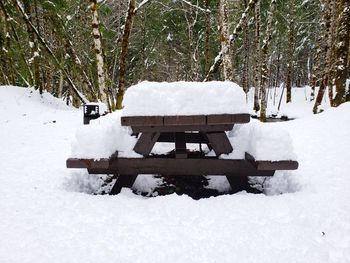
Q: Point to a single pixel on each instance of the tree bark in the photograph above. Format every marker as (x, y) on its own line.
(264, 62)
(327, 53)
(291, 43)
(257, 57)
(207, 37)
(124, 53)
(225, 40)
(101, 73)
(342, 53)
(34, 60)
(246, 52)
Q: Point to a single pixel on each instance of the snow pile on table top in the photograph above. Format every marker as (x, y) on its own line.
(184, 98)
(102, 138)
(265, 142)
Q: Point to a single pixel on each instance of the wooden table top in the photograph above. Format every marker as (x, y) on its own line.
(185, 120)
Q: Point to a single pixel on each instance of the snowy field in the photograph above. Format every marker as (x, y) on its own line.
(48, 215)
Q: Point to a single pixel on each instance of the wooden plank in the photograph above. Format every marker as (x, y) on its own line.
(142, 121)
(182, 128)
(228, 118)
(184, 120)
(180, 145)
(219, 142)
(262, 165)
(171, 166)
(190, 137)
(87, 163)
(122, 181)
(145, 143)
(212, 119)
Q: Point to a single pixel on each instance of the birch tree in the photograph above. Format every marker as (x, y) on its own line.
(101, 73)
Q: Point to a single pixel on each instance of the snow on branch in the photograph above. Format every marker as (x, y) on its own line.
(143, 3)
(196, 6)
(218, 60)
(48, 49)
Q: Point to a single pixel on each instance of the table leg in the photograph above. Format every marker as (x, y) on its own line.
(122, 181)
(219, 142)
(180, 145)
(146, 142)
(238, 183)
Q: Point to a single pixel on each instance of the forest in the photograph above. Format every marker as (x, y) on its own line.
(93, 50)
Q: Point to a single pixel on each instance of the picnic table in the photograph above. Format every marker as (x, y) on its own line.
(207, 129)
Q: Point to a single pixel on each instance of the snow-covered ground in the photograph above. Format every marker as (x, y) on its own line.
(47, 215)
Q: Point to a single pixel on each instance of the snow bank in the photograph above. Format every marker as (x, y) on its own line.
(21, 101)
(184, 98)
(261, 140)
(103, 137)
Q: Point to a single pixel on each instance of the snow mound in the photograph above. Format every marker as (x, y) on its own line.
(103, 137)
(264, 141)
(184, 98)
(20, 100)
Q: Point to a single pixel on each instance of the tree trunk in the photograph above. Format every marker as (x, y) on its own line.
(207, 37)
(291, 43)
(342, 53)
(257, 57)
(327, 53)
(124, 53)
(264, 62)
(225, 41)
(332, 45)
(34, 48)
(101, 73)
(246, 52)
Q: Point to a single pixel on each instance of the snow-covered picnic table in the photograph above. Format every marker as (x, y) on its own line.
(181, 113)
